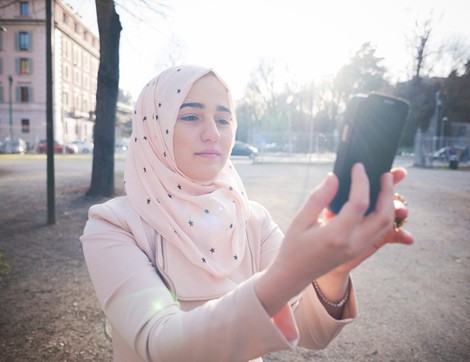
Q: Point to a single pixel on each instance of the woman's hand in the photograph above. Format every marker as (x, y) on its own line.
(312, 248)
(394, 235)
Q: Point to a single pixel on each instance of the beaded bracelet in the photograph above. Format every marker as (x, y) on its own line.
(329, 302)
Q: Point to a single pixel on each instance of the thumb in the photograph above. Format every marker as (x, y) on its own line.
(320, 198)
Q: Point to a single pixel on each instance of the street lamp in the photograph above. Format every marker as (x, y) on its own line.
(289, 100)
(10, 82)
(443, 122)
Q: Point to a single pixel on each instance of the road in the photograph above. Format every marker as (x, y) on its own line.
(414, 302)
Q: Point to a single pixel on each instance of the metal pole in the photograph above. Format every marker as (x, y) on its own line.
(436, 142)
(49, 118)
(443, 122)
(10, 82)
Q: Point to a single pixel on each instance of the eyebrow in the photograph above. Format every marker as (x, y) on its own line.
(201, 106)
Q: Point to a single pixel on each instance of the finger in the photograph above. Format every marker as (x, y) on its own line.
(404, 237)
(401, 211)
(399, 173)
(377, 224)
(352, 212)
(358, 201)
(320, 198)
(384, 206)
(399, 236)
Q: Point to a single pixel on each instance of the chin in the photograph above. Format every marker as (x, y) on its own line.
(206, 177)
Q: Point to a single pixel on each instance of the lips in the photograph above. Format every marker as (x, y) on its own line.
(208, 153)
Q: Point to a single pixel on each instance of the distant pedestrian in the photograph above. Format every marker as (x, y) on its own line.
(187, 268)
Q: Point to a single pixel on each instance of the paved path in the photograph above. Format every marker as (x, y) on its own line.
(414, 301)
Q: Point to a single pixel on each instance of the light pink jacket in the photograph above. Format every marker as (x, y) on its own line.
(199, 318)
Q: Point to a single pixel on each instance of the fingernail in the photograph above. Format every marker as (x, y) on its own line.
(360, 166)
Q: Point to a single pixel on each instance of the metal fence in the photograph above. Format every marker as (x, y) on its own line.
(321, 147)
(294, 146)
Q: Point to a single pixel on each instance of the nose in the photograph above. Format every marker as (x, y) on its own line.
(210, 132)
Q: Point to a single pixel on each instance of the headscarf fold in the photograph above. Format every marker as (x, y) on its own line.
(206, 222)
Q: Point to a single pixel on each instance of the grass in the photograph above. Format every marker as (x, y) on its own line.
(4, 266)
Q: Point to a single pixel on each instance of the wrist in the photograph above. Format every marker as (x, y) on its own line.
(274, 289)
(334, 284)
(332, 303)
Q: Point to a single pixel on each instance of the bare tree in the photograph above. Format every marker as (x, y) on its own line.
(364, 73)
(109, 27)
(458, 51)
(423, 51)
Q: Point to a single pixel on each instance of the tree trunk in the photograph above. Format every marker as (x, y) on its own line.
(109, 26)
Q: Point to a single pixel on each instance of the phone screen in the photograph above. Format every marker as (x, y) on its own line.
(371, 132)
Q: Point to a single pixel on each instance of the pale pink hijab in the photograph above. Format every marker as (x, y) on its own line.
(207, 223)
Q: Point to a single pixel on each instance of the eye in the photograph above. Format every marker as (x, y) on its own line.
(224, 121)
(188, 117)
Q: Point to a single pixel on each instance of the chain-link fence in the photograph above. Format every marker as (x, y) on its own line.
(428, 150)
(294, 146)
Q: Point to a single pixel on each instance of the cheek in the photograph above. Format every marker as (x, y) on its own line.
(181, 142)
(227, 140)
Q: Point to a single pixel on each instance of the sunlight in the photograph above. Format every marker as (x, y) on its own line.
(313, 39)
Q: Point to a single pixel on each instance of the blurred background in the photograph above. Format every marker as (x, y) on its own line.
(291, 66)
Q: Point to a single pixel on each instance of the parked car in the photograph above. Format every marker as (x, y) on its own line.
(83, 146)
(450, 152)
(15, 145)
(244, 149)
(41, 147)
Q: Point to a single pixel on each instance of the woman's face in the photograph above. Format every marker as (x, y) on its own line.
(204, 130)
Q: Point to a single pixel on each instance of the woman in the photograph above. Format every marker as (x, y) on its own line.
(187, 268)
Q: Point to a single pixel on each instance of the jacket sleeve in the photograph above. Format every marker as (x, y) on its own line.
(234, 327)
(316, 327)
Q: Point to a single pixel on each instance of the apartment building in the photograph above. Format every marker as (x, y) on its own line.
(23, 72)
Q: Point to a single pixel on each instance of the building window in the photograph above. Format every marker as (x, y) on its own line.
(86, 84)
(76, 55)
(86, 61)
(65, 49)
(23, 40)
(76, 103)
(76, 77)
(1, 94)
(24, 94)
(66, 99)
(24, 66)
(94, 66)
(66, 72)
(76, 28)
(1, 65)
(65, 18)
(25, 125)
(24, 8)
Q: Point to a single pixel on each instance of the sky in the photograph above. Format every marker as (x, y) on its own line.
(313, 39)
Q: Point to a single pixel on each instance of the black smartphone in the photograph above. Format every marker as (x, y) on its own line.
(370, 134)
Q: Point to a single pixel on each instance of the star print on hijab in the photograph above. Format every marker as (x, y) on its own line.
(207, 223)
